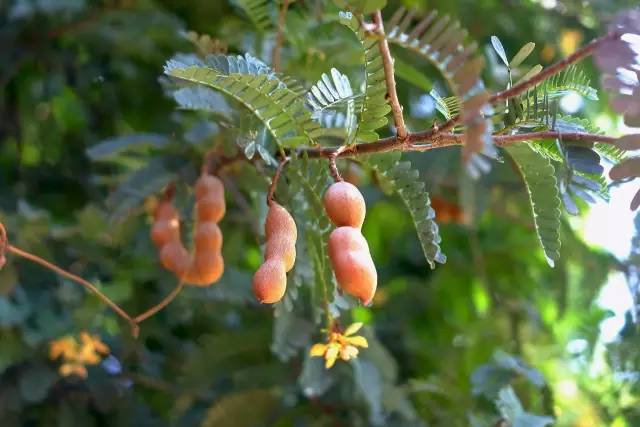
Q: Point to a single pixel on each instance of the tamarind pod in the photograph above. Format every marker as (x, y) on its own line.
(210, 208)
(281, 246)
(279, 221)
(206, 269)
(270, 281)
(207, 237)
(174, 257)
(352, 263)
(209, 185)
(165, 211)
(347, 239)
(345, 205)
(165, 231)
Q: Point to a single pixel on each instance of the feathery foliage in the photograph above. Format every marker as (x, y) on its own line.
(254, 85)
(374, 109)
(405, 181)
(539, 177)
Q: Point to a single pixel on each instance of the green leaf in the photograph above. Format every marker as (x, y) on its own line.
(256, 87)
(246, 408)
(361, 6)
(411, 74)
(139, 185)
(512, 411)
(374, 109)
(258, 12)
(406, 182)
(522, 54)
(539, 177)
(497, 46)
(110, 148)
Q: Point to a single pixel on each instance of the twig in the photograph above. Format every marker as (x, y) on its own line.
(162, 304)
(274, 181)
(135, 329)
(578, 55)
(280, 36)
(521, 87)
(387, 62)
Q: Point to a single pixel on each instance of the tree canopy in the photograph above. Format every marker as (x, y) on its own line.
(170, 253)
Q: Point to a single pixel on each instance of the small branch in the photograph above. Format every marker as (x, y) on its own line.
(577, 56)
(387, 62)
(516, 90)
(135, 329)
(274, 181)
(162, 304)
(280, 36)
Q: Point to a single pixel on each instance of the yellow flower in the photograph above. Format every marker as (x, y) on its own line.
(66, 347)
(68, 369)
(344, 345)
(76, 355)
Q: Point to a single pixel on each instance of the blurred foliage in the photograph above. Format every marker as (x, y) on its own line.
(89, 132)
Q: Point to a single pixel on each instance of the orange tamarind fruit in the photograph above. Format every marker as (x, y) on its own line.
(348, 249)
(344, 204)
(352, 263)
(270, 281)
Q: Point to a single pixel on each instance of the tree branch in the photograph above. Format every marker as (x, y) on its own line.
(521, 87)
(387, 62)
(443, 140)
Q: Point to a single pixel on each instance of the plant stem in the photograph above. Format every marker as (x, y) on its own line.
(274, 181)
(135, 329)
(280, 36)
(162, 304)
(387, 62)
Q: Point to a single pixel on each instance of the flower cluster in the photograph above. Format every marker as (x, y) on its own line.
(344, 345)
(76, 355)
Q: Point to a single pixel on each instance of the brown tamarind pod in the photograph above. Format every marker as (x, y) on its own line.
(174, 257)
(165, 231)
(345, 205)
(283, 247)
(270, 281)
(209, 185)
(207, 237)
(206, 268)
(211, 207)
(165, 211)
(280, 222)
(352, 263)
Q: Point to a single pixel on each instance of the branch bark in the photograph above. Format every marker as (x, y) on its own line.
(387, 62)
(442, 141)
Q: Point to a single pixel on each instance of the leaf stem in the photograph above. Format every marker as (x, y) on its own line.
(279, 36)
(162, 304)
(276, 178)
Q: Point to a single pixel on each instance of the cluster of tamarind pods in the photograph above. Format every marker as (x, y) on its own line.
(349, 253)
(206, 265)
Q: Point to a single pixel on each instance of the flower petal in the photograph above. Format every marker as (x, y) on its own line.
(358, 340)
(353, 328)
(348, 352)
(331, 355)
(317, 350)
